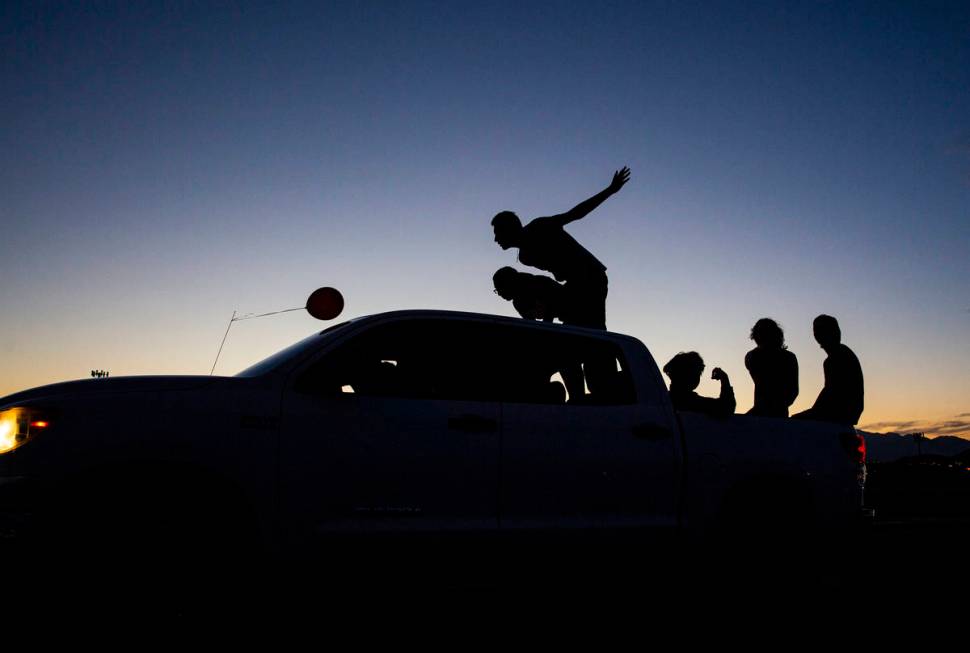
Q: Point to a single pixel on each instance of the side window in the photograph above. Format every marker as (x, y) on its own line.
(544, 367)
(413, 359)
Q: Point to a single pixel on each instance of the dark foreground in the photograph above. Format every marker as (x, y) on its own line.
(889, 561)
(912, 554)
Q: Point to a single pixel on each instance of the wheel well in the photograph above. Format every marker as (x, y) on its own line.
(150, 503)
(157, 533)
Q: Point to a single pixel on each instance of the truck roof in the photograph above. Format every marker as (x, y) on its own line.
(487, 317)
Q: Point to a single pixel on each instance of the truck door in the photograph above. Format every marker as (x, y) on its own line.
(597, 460)
(396, 430)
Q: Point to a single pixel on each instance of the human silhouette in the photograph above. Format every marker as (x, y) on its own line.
(773, 369)
(538, 297)
(544, 244)
(842, 397)
(684, 371)
(534, 296)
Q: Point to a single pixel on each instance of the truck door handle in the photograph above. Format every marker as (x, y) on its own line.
(652, 432)
(472, 424)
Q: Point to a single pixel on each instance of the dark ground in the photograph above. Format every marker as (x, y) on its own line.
(913, 553)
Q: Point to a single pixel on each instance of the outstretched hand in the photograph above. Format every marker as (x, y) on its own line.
(620, 177)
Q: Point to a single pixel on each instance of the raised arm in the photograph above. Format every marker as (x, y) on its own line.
(620, 177)
(726, 402)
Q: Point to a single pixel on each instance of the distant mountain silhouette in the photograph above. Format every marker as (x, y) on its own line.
(886, 447)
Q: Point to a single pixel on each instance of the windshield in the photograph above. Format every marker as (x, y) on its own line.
(293, 352)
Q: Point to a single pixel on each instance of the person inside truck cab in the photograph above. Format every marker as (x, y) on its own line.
(684, 371)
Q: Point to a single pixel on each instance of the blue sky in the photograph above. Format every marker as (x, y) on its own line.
(163, 164)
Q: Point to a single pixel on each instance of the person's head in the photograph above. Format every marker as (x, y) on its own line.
(767, 333)
(826, 330)
(685, 369)
(506, 281)
(507, 227)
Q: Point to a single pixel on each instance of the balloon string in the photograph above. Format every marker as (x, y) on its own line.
(231, 320)
(250, 316)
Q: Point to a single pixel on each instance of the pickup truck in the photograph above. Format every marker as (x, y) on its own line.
(406, 422)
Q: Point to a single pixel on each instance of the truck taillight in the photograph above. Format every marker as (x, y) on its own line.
(855, 445)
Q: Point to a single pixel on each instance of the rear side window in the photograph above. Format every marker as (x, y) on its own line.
(468, 361)
(413, 359)
(543, 366)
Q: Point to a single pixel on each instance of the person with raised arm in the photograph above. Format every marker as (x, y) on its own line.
(684, 371)
(543, 243)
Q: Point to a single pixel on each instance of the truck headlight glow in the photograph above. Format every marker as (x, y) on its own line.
(17, 426)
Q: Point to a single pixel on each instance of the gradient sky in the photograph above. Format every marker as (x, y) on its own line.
(164, 164)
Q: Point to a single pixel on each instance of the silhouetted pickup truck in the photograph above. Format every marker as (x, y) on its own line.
(406, 422)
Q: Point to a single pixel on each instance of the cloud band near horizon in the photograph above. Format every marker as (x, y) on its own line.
(957, 426)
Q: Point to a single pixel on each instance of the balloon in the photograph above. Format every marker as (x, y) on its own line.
(325, 303)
